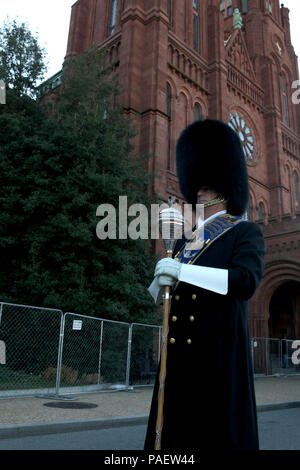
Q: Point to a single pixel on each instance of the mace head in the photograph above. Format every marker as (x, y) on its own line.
(171, 224)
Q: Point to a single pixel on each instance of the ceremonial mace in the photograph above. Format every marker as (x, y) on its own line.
(170, 225)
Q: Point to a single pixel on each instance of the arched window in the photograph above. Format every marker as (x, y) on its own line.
(168, 113)
(113, 16)
(247, 214)
(261, 211)
(244, 6)
(285, 100)
(169, 8)
(269, 6)
(196, 25)
(197, 112)
(296, 188)
(226, 7)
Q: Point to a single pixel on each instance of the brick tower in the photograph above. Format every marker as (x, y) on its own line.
(181, 60)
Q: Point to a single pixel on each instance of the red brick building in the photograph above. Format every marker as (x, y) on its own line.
(179, 60)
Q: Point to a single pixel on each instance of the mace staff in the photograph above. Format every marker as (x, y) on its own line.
(171, 224)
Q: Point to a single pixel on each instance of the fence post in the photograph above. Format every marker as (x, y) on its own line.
(129, 355)
(267, 355)
(60, 350)
(252, 352)
(100, 352)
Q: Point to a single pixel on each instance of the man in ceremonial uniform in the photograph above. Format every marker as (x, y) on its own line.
(209, 397)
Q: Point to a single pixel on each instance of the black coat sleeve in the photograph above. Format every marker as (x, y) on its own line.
(247, 263)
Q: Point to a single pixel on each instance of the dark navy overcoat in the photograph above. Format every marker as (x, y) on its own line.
(209, 388)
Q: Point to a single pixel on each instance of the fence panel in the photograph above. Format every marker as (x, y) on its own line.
(31, 338)
(93, 352)
(289, 365)
(144, 353)
(266, 354)
(42, 351)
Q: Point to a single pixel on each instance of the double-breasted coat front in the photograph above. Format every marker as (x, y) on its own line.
(209, 388)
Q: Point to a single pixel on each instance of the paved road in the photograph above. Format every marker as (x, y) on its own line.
(279, 430)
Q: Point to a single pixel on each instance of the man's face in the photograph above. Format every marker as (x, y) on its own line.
(205, 195)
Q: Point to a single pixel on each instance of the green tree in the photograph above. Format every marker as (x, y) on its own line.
(22, 60)
(58, 162)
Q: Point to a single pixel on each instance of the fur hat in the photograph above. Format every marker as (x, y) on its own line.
(209, 153)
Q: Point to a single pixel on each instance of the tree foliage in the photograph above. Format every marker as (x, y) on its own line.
(22, 59)
(58, 162)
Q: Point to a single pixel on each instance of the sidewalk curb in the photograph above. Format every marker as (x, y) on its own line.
(278, 406)
(24, 430)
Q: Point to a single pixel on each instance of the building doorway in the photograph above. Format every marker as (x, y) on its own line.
(284, 320)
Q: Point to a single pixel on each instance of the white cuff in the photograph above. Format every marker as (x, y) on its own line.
(213, 279)
(156, 291)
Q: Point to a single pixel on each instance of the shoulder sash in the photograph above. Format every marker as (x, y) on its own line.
(196, 246)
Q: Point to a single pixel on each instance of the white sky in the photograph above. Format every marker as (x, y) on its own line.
(51, 20)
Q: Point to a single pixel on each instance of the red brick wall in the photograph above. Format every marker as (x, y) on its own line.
(243, 76)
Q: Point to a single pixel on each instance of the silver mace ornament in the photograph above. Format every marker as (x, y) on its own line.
(171, 224)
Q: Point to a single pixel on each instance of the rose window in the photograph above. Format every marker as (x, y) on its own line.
(243, 130)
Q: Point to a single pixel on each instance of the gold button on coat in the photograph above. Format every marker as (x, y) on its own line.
(174, 318)
(192, 318)
(172, 340)
(194, 297)
(189, 341)
(177, 297)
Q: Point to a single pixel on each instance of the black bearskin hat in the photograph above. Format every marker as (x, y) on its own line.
(209, 153)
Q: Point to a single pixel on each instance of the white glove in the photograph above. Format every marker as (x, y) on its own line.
(156, 291)
(167, 272)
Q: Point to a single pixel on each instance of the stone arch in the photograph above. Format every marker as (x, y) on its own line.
(262, 201)
(172, 84)
(170, 53)
(183, 107)
(291, 170)
(177, 58)
(186, 92)
(296, 187)
(252, 203)
(286, 77)
(286, 70)
(284, 311)
(202, 104)
(276, 274)
(275, 61)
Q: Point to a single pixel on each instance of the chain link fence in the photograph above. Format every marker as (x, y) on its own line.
(43, 351)
(31, 339)
(143, 353)
(273, 356)
(46, 352)
(93, 352)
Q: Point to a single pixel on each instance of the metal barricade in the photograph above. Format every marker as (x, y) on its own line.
(30, 336)
(93, 353)
(266, 353)
(290, 358)
(143, 354)
(43, 351)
